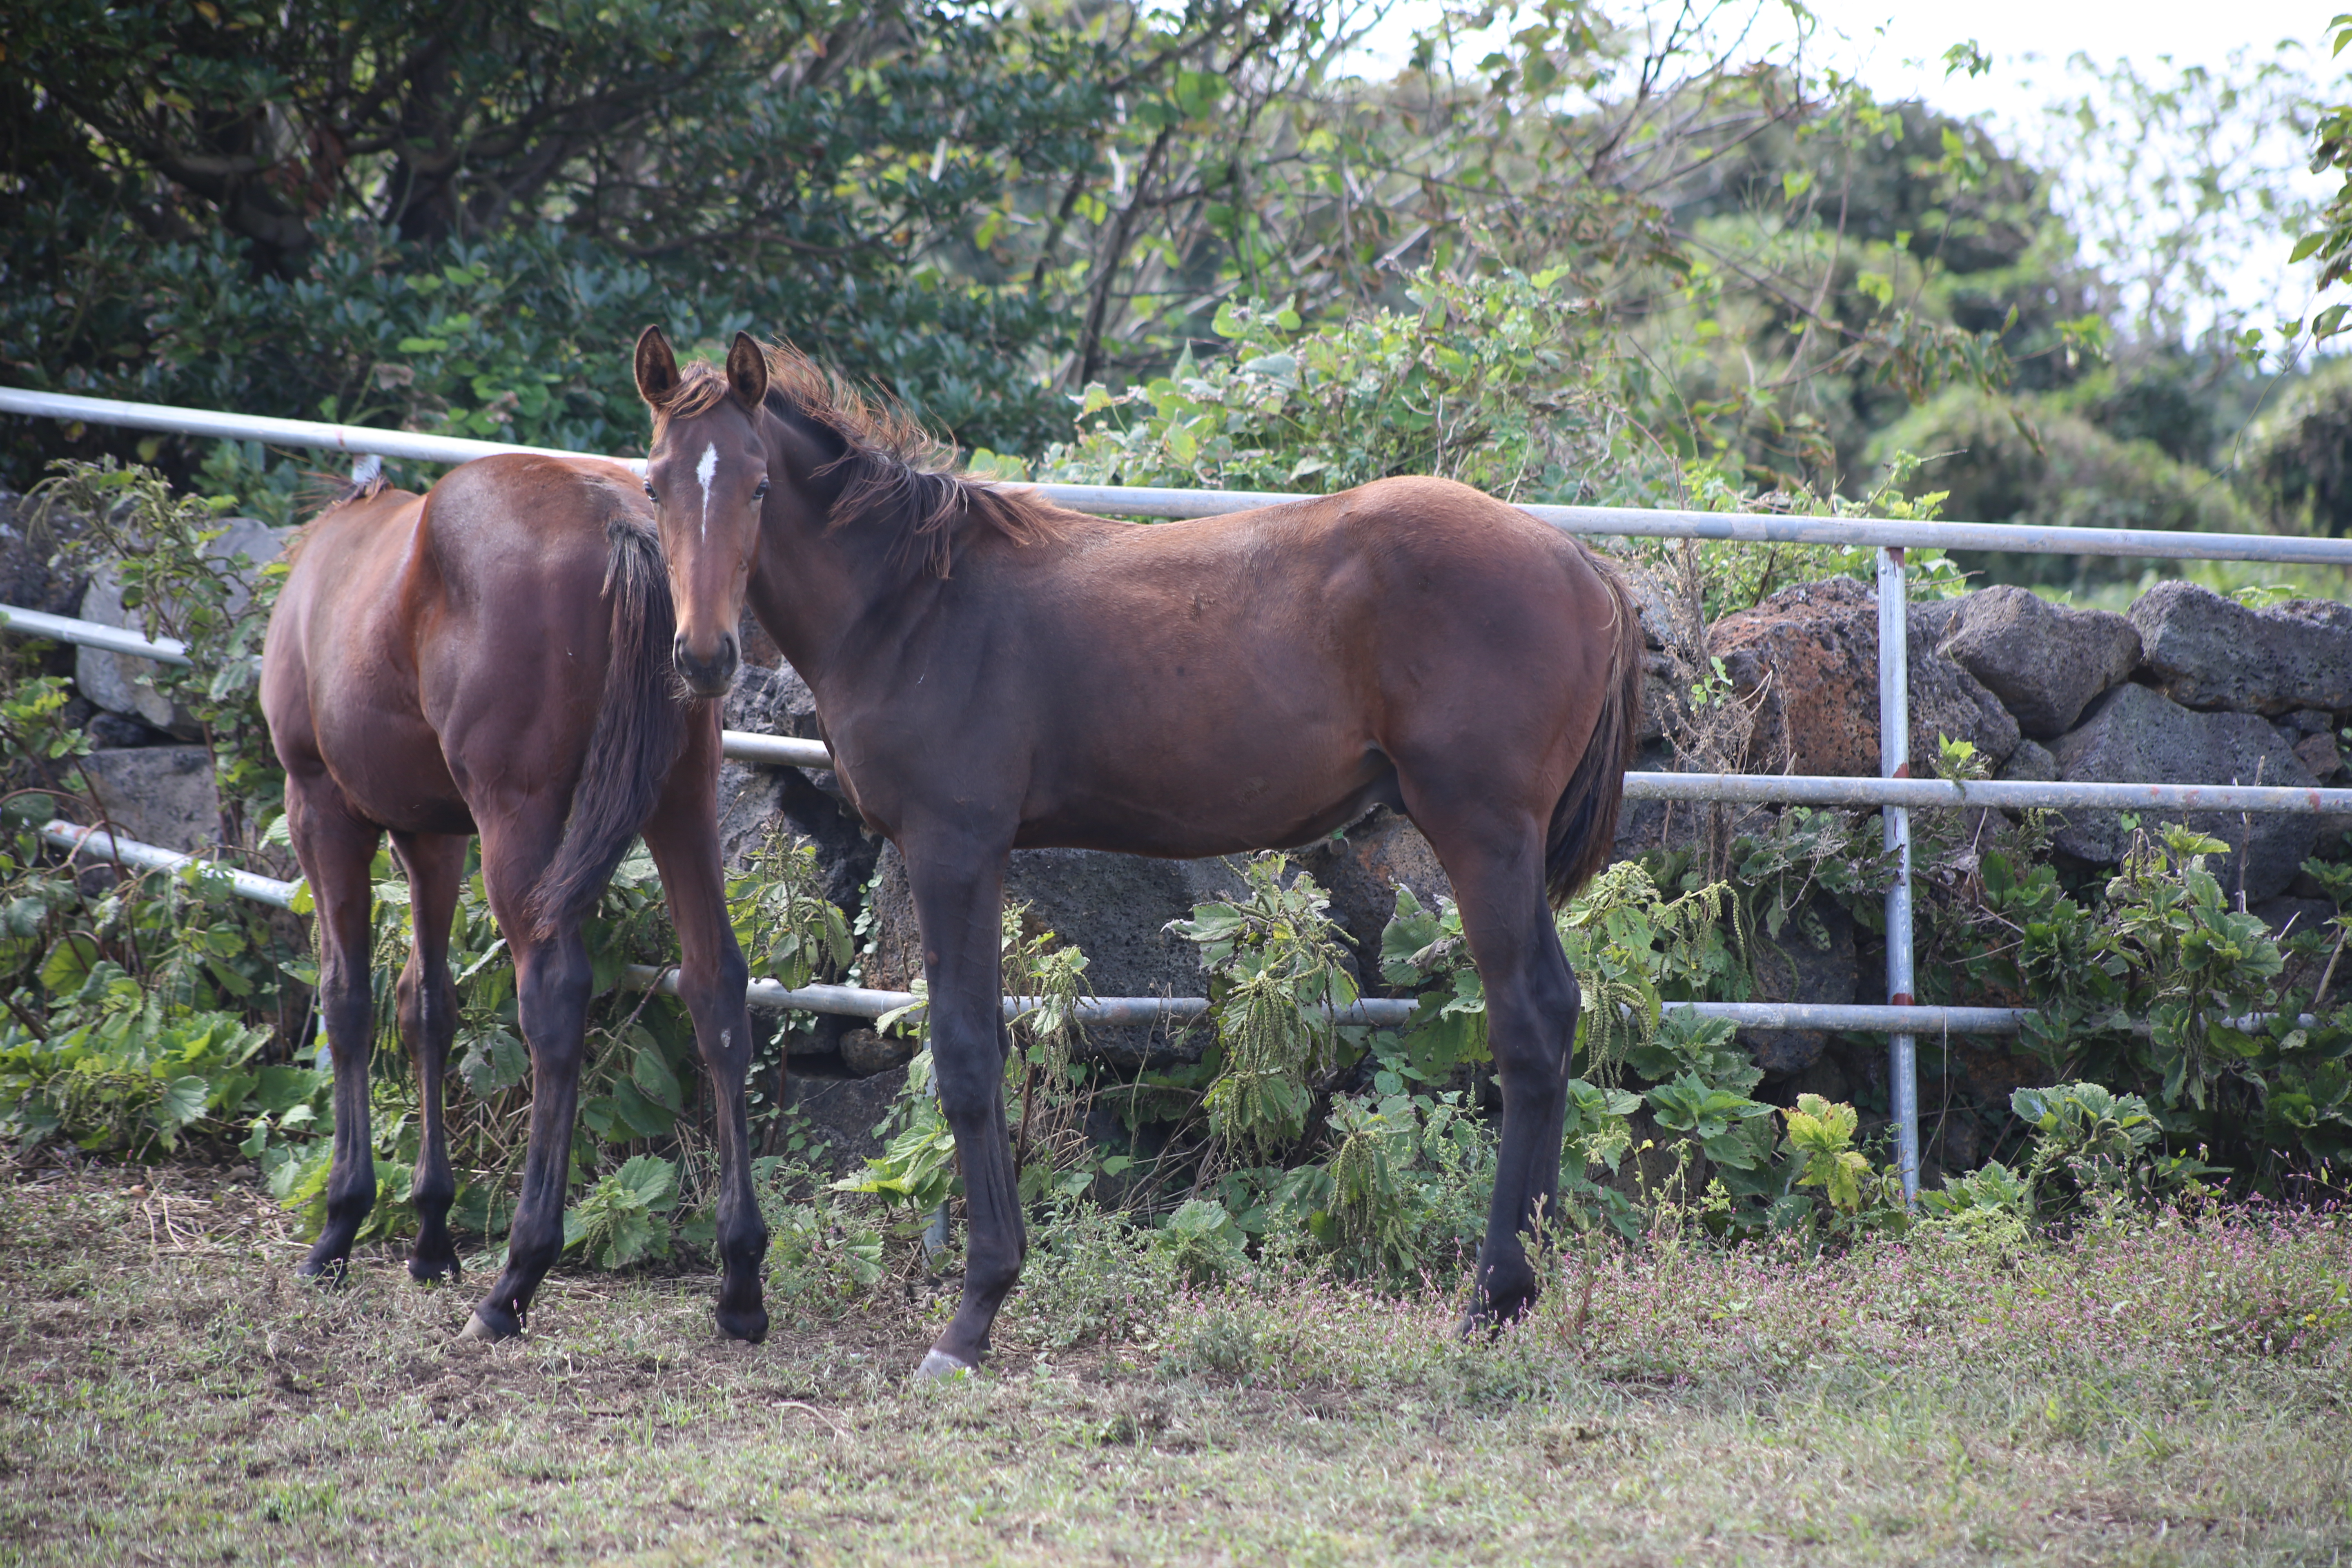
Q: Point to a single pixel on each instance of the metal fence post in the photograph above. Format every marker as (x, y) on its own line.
(1894, 763)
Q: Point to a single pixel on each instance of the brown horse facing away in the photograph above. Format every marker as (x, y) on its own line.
(495, 659)
(992, 672)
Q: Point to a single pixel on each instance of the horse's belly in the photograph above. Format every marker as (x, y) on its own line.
(390, 768)
(1219, 812)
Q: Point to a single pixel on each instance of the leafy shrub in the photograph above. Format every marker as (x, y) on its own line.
(1485, 381)
(1402, 1193)
(2094, 1141)
(135, 1082)
(2020, 462)
(827, 1254)
(1202, 1241)
(1092, 1276)
(1992, 1189)
(1279, 968)
(625, 1218)
(915, 1169)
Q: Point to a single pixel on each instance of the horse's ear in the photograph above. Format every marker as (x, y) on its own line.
(747, 371)
(656, 368)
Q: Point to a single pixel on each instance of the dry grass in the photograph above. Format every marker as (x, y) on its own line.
(169, 1392)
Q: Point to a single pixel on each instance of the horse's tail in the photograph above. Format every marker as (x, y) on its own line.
(1584, 823)
(640, 729)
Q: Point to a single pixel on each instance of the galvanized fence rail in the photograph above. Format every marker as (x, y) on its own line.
(1895, 792)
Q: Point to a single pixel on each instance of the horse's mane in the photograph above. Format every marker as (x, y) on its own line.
(897, 476)
(336, 495)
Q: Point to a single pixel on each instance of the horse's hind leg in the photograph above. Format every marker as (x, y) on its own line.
(337, 848)
(552, 981)
(428, 1021)
(684, 839)
(1494, 860)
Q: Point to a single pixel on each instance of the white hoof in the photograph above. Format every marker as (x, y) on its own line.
(938, 1363)
(476, 1328)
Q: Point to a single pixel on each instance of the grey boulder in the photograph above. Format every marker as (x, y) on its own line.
(2043, 661)
(2206, 651)
(158, 795)
(2137, 735)
(117, 681)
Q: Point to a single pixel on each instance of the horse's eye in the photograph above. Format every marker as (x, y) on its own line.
(761, 493)
(649, 493)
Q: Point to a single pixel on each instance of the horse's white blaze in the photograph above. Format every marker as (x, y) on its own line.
(702, 473)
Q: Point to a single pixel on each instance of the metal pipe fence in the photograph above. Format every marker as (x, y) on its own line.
(1121, 501)
(865, 1002)
(1895, 793)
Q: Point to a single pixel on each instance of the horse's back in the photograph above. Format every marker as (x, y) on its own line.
(1251, 679)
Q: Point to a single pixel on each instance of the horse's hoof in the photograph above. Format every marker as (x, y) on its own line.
(328, 1273)
(938, 1365)
(750, 1327)
(486, 1325)
(431, 1270)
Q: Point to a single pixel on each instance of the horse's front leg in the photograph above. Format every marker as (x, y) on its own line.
(683, 835)
(958, 881)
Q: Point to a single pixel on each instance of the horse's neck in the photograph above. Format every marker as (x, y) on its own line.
(813, 584)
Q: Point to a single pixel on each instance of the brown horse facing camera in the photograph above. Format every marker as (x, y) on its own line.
(495, 659)
(992, 672)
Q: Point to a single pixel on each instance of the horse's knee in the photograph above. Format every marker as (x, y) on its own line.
(1559, 995)
(969, 1078)
(553, 991)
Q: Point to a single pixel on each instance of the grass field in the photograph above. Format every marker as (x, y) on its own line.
(2165, 1393)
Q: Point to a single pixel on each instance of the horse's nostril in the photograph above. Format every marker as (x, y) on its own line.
(707, 676)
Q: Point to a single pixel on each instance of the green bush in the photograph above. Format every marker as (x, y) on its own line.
(2002, 460)
(135, 1083)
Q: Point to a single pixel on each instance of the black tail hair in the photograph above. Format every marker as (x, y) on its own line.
(1584, 823)
(640, 729)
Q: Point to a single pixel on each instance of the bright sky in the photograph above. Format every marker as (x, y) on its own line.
(1897, 51)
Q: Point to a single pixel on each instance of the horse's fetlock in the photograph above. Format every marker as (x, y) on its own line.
(433, 1194)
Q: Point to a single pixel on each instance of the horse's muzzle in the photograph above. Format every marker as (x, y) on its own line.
(706, 676)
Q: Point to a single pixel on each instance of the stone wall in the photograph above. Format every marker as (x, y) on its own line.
(2187, 688)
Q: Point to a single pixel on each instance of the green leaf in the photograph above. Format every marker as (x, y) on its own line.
(181, 1103)
(69, 963)
(650, 1181)
(651, 1074)
(280, 1090)
(641, 1117)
